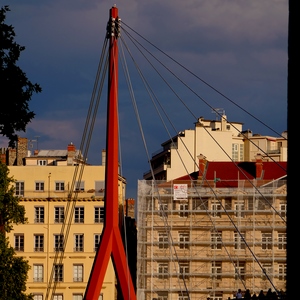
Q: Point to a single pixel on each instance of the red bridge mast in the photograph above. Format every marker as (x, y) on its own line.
(111, 241)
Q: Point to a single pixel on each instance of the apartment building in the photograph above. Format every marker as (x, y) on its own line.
(63, 198)
(206, 234)
(220, 140)
(212, 214)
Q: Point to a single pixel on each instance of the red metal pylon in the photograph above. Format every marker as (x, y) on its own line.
(111, 241)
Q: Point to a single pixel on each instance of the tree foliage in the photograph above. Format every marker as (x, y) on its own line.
(16, 90)
(11, 212)
(13, 269)
(13, 273)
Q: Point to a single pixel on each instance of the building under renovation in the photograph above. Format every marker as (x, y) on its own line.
(213, 231)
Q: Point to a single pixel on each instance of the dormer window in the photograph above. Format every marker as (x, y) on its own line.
(42, 162)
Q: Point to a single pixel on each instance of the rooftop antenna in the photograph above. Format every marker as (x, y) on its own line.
(30, 143)
(219, 112)
(37, 141)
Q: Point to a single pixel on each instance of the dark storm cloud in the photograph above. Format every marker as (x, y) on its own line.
(238, 47)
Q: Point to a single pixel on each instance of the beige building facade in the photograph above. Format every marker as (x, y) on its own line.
(218, 140)
(63, 199)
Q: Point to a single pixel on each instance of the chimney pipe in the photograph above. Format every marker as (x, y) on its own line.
(103, 157)
(202, 166)
(259, 165)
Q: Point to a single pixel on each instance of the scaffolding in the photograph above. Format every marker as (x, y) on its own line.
(197, 241)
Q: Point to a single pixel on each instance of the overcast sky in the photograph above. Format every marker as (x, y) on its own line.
(237, 47)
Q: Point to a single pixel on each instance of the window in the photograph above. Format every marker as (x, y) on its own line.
(238, 240)
(38, 273)
(282, 271)
(78, 242)
(38, 242)
(163, 240)
(39, 186)
(77, 297)
(79, 215)
(267, 270)
(282, 240)
(282, 209)
(184, 239)
(184, 269)
(183, 296)
(59, 185)
(241, 152)
(235, 152)
(59, 214)
(216, 209)
(58, 272)
(42, 162)
(58, 297)
(38, 297)
(163, 270)
(77, 273)
(200, 204)
(228, 202)
(183, 207)
(162, 295)
(216, 240)
(97, 237)
(163, 209)
(266, 240)
(39, 214)
(20, 188)
(216, 269)
(261, 204)
(99, 214)
(217, 296)
(19, 242)
(239, 208)
(99, 187)
(58, 242)
(240, 270)
(79, 186)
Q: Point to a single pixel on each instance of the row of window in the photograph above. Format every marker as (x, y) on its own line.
(59, 186)
(162, 270)
(216, 270)
(216, 209)
(59, 214)
(58, 273)
(267, 240)
(75, 296)
(58, 242)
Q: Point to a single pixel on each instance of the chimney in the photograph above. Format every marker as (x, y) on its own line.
(223, 122)
(71, 147)
(259, 165)
(129, 207)
(22, 150)
(71, 154)
(202, 166)
(3, 155)
(103, 157)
